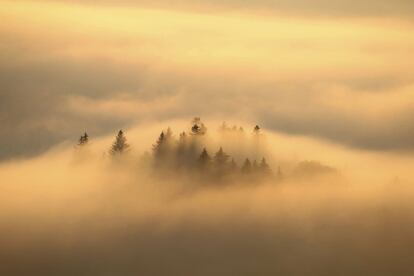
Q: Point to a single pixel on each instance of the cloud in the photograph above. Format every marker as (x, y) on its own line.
(101, 68)
(97, 217)
(323, 8)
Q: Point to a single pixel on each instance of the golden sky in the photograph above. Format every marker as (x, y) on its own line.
(295, 67)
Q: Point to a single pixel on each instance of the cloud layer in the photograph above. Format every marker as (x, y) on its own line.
(67, 68)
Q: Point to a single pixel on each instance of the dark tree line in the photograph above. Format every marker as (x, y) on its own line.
(187, 153)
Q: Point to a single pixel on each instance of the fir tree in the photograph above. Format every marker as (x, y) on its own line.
(220, 158)
(247, 166)
(264, 167)
(204, 160)
(164, 143)
(158, 147)
(83, 140)
(198, 127)
(182, 144)
(120, 145)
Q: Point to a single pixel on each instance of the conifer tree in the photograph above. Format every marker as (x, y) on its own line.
(182, 143)
(120, 145)
(164, 150)
(204, 160)
(264, 167)
(247, 166)
(182, 147)
(83, 140)
(198, 127)
(158, 147)
(224, 127)
(220, 158)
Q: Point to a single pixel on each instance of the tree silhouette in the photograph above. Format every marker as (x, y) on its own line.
(264, 167)
(198, 127)
(220, 158)
(120, 145)
(183, 138)
(158, 147)
(164, 149)
(256, 130)
(182, 148)
(247, 166)
(204, 160)
(83, 140)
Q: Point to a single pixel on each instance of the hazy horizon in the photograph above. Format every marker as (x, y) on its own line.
(327, 187)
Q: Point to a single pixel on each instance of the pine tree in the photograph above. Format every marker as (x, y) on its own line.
(224, 127)
(264, 167)
(247, 166)
(198, 127)
(182, 153)
(83, 140)
(120, 145)
(182, 143)
(158, 147)
(220, 158)
(164, 143)
(204, 160)
(168, 134)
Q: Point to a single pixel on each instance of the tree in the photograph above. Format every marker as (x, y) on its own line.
(247, 166)
(120, 145)
(256, 130)
(204, 160)
(168, 134)
(220, 158)
(224, 127)
(83, 140)
(198, 127)
(264, 167)
(183, 152)
(164, 143)
(182, 144)
(158, 147)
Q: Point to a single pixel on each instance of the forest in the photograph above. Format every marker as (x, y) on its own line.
(237, 156)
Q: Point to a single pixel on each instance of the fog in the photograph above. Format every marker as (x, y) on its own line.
(82, 211)
(322, 185)
(68, 66)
